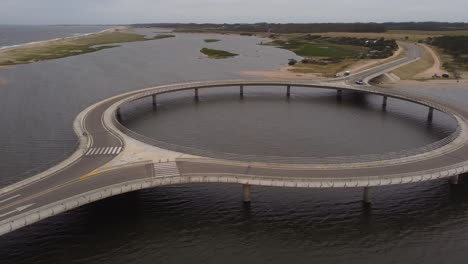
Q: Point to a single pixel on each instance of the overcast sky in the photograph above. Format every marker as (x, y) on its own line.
(229, 11)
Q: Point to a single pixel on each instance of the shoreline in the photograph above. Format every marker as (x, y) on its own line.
(74, 36)
(285, 72)
(66, 47)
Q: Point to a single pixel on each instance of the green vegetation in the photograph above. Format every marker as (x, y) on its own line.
(68, 47)
(273, 27)
(312, 27)
(322, 49)
(161, 36)
(456, 50)
(217, 54)
(211, 40)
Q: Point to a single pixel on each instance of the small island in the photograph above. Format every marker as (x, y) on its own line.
(211, 40)
(217, 54)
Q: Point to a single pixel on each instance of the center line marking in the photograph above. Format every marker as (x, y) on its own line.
(13, 197)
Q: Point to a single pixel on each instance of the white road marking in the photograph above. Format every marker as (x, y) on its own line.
(99, 151)
(103, 151)
(108, 149)
(8, 199)
(113, 149)
(18, 209)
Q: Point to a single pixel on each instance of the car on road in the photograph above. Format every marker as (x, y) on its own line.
(360, 82)
(445, 75)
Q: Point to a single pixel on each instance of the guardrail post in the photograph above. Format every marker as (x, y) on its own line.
(241, 90)
(246, 193)
(366, 197)
(288, 91)
(196, 94)
(384, 102)
(453, 180)
(430, 114)
(155, 106)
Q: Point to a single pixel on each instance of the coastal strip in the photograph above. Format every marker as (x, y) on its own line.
(71, 46)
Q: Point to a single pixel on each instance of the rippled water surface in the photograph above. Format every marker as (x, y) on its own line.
(208, 223)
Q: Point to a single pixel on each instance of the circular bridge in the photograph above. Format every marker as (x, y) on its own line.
(442, 159)
(112, 159)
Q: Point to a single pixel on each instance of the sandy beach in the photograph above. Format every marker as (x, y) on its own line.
(47, 42)
(283, 73)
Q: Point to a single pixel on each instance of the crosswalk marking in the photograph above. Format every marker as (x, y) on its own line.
(103, 151)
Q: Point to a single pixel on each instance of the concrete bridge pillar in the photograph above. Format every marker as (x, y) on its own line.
(288, 91)
(454, 180)
(154, 101)
(384, 102)
(366, 197)
(241, 90)
(339, 94)
(246, 193)
(196, 94)
(119, 115)
(430, 114)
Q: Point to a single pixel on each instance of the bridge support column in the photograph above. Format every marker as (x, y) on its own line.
(246, 193)
(119, 115)
(366, 197)
(430, 114)
(339, 94)
(288, 91)
(241, 90)
(384, 102)
(196, 94)
(453, 180)
(154, 102)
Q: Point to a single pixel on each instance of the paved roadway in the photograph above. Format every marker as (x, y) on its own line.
(82, 175)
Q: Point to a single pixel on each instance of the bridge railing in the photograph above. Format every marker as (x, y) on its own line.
(425, 100)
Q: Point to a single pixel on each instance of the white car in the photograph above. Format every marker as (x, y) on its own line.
(359, 82)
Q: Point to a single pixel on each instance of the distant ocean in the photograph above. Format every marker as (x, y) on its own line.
(18, 35)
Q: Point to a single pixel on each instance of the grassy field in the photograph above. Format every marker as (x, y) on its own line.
(308, 49)
(217, 54)
(211, 40)
(397, 34)
(68, 47)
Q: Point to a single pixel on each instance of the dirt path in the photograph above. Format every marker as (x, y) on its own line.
(436, 67)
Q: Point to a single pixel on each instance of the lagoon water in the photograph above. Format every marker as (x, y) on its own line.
(207, 223)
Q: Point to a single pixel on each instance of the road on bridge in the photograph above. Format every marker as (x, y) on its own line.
(84, 174)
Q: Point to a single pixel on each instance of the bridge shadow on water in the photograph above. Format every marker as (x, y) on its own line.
(207, 222)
